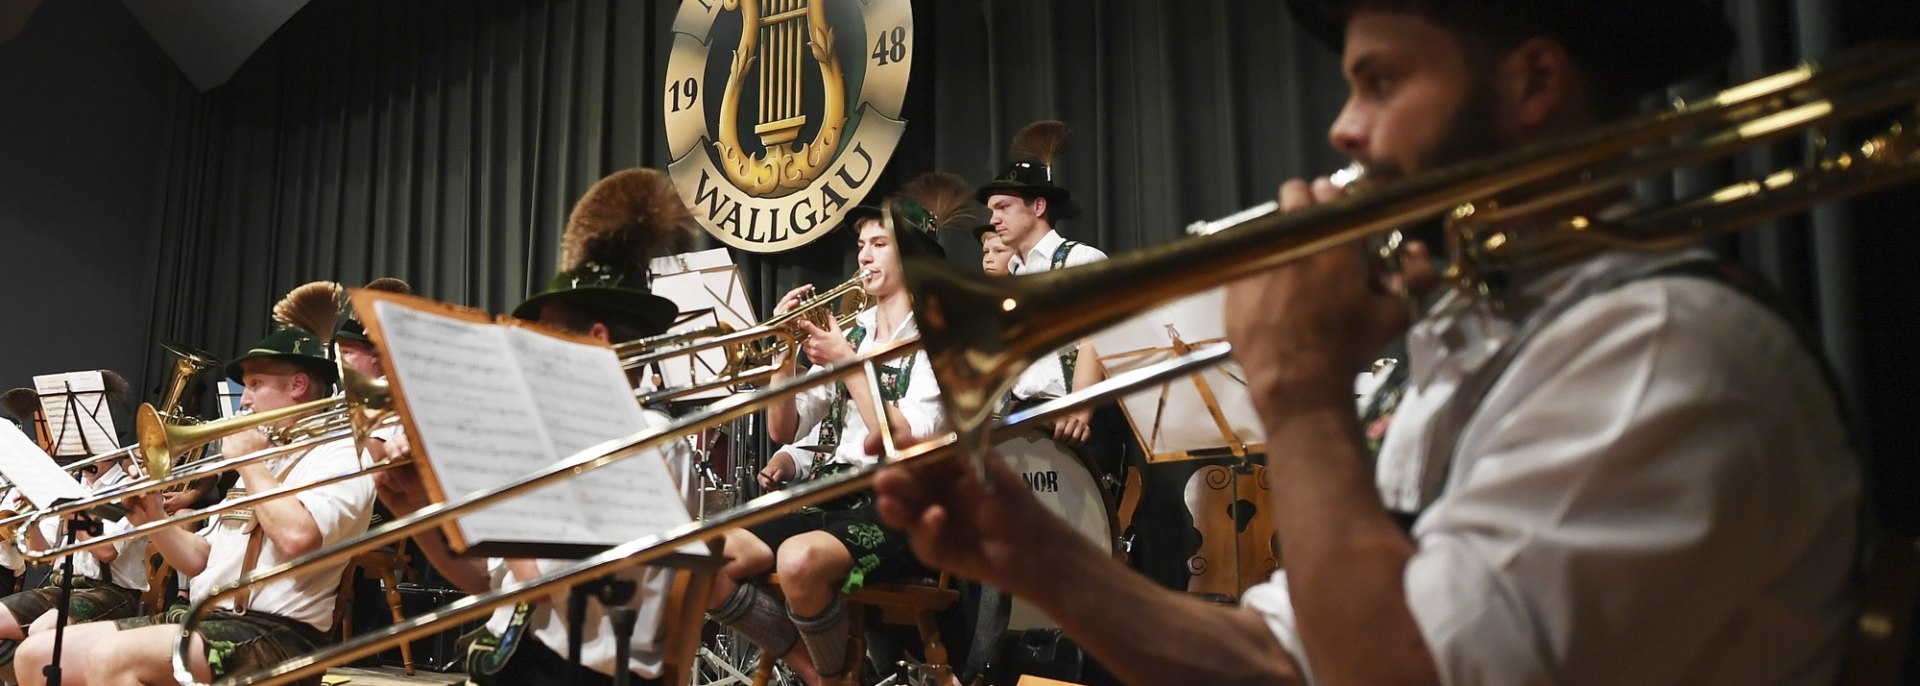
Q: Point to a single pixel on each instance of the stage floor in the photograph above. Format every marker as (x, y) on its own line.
(390, 676)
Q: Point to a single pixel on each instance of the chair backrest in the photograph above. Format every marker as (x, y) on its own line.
(154, 601)
(1877, 654)
(685, 615)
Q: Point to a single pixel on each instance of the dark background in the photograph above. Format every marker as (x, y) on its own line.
(444, 141)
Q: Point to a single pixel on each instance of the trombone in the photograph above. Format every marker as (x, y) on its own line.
(363, 405)
(981, 332)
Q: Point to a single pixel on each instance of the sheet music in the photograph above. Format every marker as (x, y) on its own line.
(706, 285)
(76, 407)
(582, 395)
(475, 419)
(1173, 417)
(38, 477)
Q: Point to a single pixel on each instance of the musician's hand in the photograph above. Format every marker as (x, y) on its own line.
(825, 346)
(182, 499)
(792, 299)
(778, 471)
(396, 446)
(1304, 329)
(401, 490)
(1074, 428)
(142, 509)
(243, 442)
(956, 524)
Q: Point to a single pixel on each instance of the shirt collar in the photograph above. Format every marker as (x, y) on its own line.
(1042, 252)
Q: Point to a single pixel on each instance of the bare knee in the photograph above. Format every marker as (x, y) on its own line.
(806, 563)
(44, 622)
(747, 555)
(31, 657)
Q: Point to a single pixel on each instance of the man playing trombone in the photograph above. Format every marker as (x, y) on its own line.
(276, 621)
(600, 292)
(823, 552)
(1628, 472)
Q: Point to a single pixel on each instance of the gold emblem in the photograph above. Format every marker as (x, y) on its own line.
(808, 113)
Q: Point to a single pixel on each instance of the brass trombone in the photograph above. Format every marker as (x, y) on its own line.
(363, 405)
(980, 333)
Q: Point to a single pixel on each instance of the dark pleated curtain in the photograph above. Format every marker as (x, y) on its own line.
(444, 141)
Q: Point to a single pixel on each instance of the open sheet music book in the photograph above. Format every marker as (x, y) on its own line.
(1208, 414)
(487, 403)
(41, 480)
(77, 416)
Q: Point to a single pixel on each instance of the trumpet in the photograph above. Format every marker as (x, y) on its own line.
(751, 352)
(363, 405)
(981, 332)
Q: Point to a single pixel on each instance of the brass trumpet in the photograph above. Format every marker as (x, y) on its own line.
(980, 333)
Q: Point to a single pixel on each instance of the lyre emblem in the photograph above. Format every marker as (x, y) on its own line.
(774, 46)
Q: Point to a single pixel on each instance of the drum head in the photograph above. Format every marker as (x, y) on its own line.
(1064, 483)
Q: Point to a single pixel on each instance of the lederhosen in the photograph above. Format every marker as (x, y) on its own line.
(879, 552)
(92, 600)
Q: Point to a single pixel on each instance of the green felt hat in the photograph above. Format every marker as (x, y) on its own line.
(288, 345)
(1031, 175)
(623, 222)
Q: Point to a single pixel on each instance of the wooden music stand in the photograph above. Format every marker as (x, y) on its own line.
(75, 407)
(1205, 415)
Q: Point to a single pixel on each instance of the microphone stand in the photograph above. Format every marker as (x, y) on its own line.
(52, 670)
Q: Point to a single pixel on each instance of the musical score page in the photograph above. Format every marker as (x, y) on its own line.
(37, 476)
(76, 407)
(474, 417)
(583, 397)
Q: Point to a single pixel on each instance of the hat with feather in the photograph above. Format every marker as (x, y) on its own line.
(1031, 175)
(350, 327)
(23, 404)
(926, 205)
(623, 222)
(308, 316)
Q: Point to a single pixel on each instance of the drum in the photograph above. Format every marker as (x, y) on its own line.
(1066, 484)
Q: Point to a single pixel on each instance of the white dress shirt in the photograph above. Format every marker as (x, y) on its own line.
(1046, 378)
(919, 405)
(1658, 490)
(597, 648)
(341, 510)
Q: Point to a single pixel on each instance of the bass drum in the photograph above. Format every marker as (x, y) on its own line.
(1066, 484)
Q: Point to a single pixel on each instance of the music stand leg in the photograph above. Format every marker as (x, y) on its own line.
(52, 670)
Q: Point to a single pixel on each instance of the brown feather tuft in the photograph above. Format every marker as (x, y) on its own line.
(1039, 142)
(22, 403)
(945, 196)
(116, 386)
(314, 307)
(627, 218)
(390, 285)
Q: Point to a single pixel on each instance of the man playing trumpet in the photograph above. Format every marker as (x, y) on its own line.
(821, 553)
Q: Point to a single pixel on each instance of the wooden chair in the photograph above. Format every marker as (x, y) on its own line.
(685, 617)
(154, 601)
(917, 605)
(387, 566)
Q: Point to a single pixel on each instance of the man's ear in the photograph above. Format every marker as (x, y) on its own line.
(600, 331)
(1040, 207)
(299, 383)
(1539, 85)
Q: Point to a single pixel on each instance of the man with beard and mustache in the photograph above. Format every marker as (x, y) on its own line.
(1630, 469)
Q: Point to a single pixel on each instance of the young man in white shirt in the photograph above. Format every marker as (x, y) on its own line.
(601, 293)
(1624, 475)
(826, 551)
(1026, 203)
(276, 621)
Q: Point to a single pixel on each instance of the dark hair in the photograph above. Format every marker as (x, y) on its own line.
(578, 318)
(1626, 48)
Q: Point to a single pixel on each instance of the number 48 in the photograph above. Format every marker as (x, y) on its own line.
(892, 46)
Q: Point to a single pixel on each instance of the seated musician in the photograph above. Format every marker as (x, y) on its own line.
(600, 292)
(822, 552)
(994, 253)
(1628, 470)
(276, 621)
(108, 580)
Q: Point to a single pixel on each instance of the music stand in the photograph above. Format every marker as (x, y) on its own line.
(706, 287)
(1208, 414)
(78, 419)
